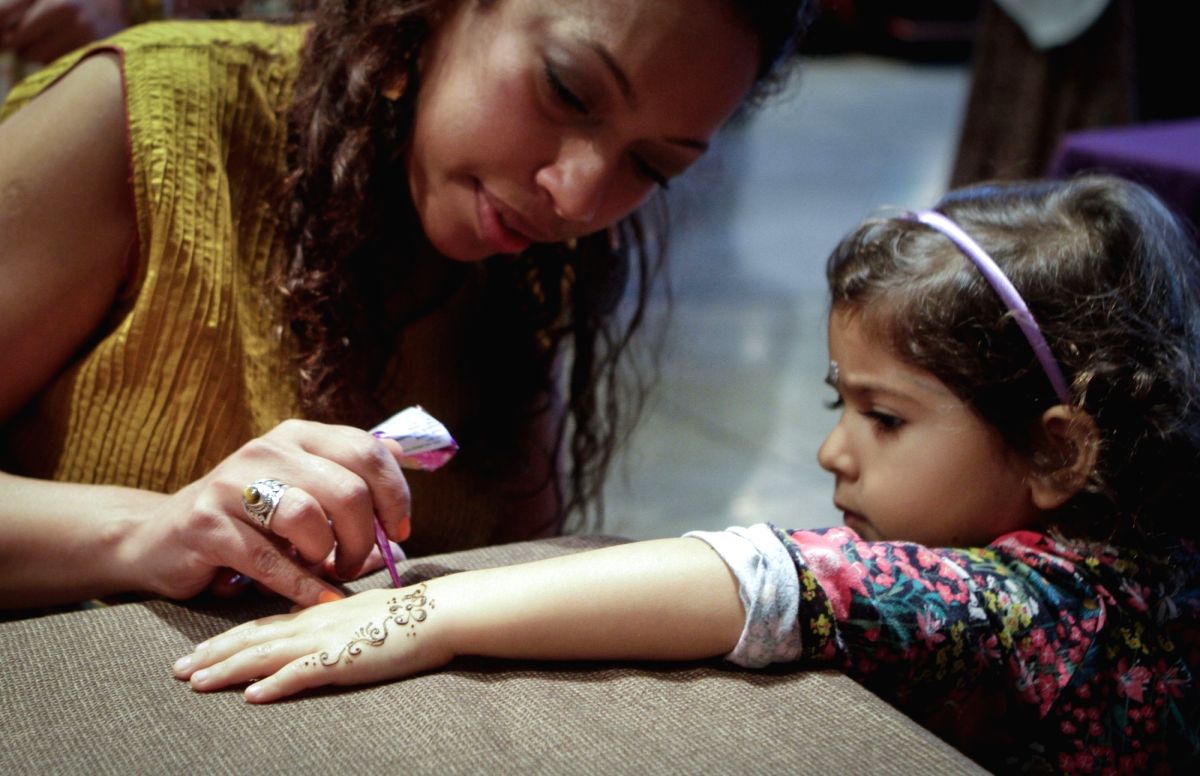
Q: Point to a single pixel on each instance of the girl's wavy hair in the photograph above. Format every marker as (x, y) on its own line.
(1111, 276)
(348, 248)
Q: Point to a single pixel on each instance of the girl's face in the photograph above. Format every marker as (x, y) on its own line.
(542, 120)
(912, 461)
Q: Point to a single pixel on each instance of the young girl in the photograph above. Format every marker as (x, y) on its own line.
(1018, 568)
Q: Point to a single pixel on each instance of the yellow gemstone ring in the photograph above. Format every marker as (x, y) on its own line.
(261, 498)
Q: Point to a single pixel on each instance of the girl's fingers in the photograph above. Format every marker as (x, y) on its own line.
(252, 635)
(361, 639)
(247, 665)
(246, 636)
(303, 673)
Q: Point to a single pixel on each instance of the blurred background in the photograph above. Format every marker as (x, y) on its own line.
(730, 436)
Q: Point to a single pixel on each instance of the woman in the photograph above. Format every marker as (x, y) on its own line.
(410, 202)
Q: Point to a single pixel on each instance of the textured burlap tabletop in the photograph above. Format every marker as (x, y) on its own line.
(92, 692)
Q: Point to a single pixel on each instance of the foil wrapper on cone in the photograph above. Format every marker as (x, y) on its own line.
(426, 442)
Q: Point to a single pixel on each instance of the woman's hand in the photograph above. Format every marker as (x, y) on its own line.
(369, 637)
(339, 479)
(63, 542)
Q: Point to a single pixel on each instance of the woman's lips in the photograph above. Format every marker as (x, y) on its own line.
(493, 228)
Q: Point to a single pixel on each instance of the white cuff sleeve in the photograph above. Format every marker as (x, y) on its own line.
(769, 589)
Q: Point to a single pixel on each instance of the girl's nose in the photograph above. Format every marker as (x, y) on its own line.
(577, 181)
(834, 454)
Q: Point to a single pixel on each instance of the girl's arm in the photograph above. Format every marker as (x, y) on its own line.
(669, 599)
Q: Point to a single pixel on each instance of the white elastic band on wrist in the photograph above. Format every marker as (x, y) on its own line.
(769, 590)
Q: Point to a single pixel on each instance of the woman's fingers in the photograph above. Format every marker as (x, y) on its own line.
(317, 490)
(375, 462)
(340, 480)
(345, 502)
(300, 519)
(229, 584)
(248, 551)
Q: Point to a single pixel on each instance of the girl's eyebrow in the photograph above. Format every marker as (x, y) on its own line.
(872, 387)
(875, 387)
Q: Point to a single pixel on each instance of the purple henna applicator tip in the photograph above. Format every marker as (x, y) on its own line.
(426, 445)
(385, 549)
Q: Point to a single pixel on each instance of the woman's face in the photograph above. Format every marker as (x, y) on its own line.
(542, 120)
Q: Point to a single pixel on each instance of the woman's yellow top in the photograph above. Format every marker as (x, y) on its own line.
(187, 368)
(193, 359)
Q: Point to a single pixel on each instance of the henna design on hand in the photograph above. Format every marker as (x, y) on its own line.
(407, 610)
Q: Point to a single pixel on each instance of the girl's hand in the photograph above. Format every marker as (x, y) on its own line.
(668, 599)
(339, 479)
(370, 637)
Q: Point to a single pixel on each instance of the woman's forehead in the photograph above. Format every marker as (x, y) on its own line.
(689, 61)
(647, 37)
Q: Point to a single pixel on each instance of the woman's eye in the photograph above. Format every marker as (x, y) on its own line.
(835, 404)
(648, 171)
(562, 93)
(883, 420)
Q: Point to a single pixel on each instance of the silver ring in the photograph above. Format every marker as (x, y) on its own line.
(261, 498)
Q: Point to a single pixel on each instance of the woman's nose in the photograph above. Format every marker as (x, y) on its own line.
(577, 181)
(834, 454)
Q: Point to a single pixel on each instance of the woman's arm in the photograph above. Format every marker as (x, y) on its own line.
(66, 224)
(670, 599)
(66, 238)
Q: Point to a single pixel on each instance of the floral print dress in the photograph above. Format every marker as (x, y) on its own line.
(1034, 653)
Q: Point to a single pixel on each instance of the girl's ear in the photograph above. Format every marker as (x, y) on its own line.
(1070, 444)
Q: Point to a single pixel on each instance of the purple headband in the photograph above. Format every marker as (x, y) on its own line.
(1007, 292)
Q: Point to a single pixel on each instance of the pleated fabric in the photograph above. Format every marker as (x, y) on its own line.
(188, 365)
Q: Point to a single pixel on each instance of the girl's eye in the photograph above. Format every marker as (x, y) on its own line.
(884, 421)
(835, 404)
(647, 171)
(562, 93)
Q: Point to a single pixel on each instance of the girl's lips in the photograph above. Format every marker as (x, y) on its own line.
(853, 520)
(494, 230)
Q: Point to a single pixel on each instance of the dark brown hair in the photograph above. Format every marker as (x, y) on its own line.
(1110, 275)
(347, 248)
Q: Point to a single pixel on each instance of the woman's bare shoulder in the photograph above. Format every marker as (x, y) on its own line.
(66, 222)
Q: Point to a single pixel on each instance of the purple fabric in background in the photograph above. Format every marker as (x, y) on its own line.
(1165, 157)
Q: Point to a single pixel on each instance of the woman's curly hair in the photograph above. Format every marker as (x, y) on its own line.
(1113, 280)
(348, 248)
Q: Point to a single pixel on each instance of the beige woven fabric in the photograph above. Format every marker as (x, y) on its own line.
(92, 692)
